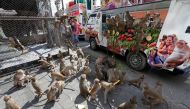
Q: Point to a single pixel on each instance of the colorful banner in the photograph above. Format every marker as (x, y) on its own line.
(112, 4)
(76, 9)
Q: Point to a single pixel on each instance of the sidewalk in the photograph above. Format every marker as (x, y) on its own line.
(14, 60)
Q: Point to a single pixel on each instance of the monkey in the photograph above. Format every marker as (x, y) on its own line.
(86, 70)
(84, 86)
(60, 55)
(45, 64)
(57, 76)
(49, 58)
(36, 86)
(95, 88)
(62, 64)
(107, 86)
(153, 98)
(80, 53)
(19, 78)
(10, 103)
(60, 86)
(115, 74)
(16, 43)
(137, 82)
(128, 105)
(68, 71)
(158, 87)
(51, 95)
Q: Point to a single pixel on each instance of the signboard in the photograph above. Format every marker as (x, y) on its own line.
(112, 4)
(76, 9)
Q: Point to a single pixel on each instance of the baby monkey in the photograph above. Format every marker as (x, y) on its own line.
(137, 82)
(10, 103)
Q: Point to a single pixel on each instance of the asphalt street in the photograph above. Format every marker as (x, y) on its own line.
(176, 88)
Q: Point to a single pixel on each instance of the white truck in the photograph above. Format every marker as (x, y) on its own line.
(176, 21)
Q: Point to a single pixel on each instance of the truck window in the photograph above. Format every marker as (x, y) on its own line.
(187, 30)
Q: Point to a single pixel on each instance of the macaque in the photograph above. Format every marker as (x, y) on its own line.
(158, 87)
(84, 86)
(51, 95)
(49, 58)
(107, 86)
(16, 43)
(57, 76)
(137, 82)
(20, 78)
(128, 105)
(45, 64)
(68, 71)
(152, 98)
(86, 70)
(115, 75)
(60, 86)
(180, 54)
(36, 87)
(60, 55)
(95, 88)
(62, 64)
(10, 103)
(99, 74)
(80, 52)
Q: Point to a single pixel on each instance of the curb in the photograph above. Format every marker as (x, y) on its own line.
(12, 69)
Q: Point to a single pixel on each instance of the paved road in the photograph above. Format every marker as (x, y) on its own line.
(176, 89)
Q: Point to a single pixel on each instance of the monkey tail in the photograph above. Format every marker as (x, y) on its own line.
(115, 83)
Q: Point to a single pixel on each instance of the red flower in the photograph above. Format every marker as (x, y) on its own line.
(132, 30)
(143, 44)
(129, 39)
(133, 48)
(153, 44)
(130, 35)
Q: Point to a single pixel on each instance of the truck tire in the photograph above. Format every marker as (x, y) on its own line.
(136, 61)
(93, 44)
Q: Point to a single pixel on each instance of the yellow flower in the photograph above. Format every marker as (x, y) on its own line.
(108, 31)
(117, 33)
(113, 32)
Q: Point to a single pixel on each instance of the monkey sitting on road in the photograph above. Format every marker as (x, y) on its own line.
(60, 55)
(152, 97)
(84, 86)
(52, 94)
(49, 58)
(108, 87)
(68, 71)
(128, 105)
(20, 78)
(10, 103)
(60, 86)
(115, 74)
(95, 88)
(80, 53)
(137, 82)
(57, 76)
(36, 86)
(86, 70)
(45, 64)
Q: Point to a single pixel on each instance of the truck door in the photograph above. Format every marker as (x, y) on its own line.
(178, 22)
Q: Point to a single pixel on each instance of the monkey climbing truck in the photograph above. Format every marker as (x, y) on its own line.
(154, 33)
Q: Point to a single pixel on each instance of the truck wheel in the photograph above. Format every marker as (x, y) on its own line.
(93, 44)
(136, 61)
